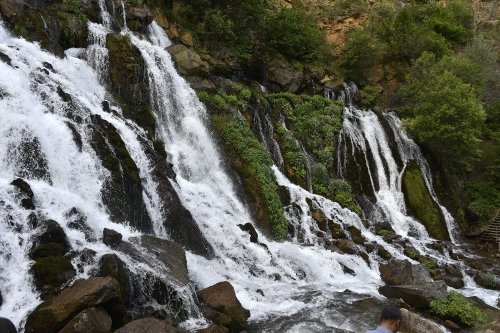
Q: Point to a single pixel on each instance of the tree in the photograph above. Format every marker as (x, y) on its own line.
(443, 112)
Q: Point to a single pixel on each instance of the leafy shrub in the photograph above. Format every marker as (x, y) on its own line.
(458, 308)
(294, 34)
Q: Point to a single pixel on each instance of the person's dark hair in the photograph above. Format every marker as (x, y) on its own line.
(390, 312)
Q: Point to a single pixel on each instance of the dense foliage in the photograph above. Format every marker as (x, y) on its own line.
(249, 26)
(457, 307)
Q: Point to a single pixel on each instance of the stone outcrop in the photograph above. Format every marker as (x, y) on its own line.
(53, 315)
(111, 238)
(188, 61)
(221, 305)
(412, 283)
(415, 323)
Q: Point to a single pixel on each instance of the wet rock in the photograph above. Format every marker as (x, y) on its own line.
(95, 320)
(170, 254)
(487, 280)
(51, 316)
(139, 18)
(336, 230)
(187, 60)
(111, 238)
(147, 325)
(411, 252)
(418, 295)
(414, 323)
(47, 250)
(453, 276)
(111, 265)
(223, 307)
(52, 272)
(5, 58)
(250, 229)
(356, 235)
(284, 194)
(214, 329)
(346, 246)
(24, 188)
(319, 216)
(347, 270)
(383, 253)
(77, 220)
(1, 298)
(32, 220)
(201, 84)
(399, 272)
(54, 233)
(6, 326)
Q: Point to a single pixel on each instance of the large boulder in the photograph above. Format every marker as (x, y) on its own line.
(284, 78)
(487, 280)
(412, 283)
(51, 316)
(111, 265)
(95, 320)
(214, 329)
(223, 307)
(111, 238)
(346, 246)
(402, 272)
(147, 325)
(417, 295)
(188, 61)
(414, 323)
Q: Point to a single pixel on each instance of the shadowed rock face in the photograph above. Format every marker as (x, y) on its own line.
(95, 320)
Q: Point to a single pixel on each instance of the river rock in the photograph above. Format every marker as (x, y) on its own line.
(147, 325)
(25, 189)
(346, 246)
(111, 265)
(250, 229)
(95, 320)
(284, 78)
(414, 323)
(187, 60)
(51, 316)
(54, 233)
(336, 230)
(417, 295)
(487, 280)
(111, 238)
(223, 307)
(453, 276)
(356, 235)
(402, 272)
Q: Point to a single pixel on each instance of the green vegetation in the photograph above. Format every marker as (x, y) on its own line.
(249, 26)
(442, 109)
(458, 308)
(421, 204)
(384, 233)
(253, 164)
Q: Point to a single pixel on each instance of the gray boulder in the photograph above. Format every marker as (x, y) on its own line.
(414, 323)
(147, 325)
(95, 320)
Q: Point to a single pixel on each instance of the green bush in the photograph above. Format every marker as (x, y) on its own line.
(458, 308)
(295, 35)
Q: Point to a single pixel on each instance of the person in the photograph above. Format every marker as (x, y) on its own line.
(6, 326)
(390, 320)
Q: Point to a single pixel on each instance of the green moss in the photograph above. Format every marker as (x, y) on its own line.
(430, 264)
(420, 203)
(253, 164)
(384, 232)
(293, 156)
(458, 308)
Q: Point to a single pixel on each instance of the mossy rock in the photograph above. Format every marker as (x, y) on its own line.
(47, 250)
(122, 193)
(420, 203)
(54, 233)
(51, 273)
(127, 73)
(111, 265)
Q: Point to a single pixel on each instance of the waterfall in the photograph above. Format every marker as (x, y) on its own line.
(46, 109)
(265, 133)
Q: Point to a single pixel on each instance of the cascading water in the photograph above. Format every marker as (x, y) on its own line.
(293, 286)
